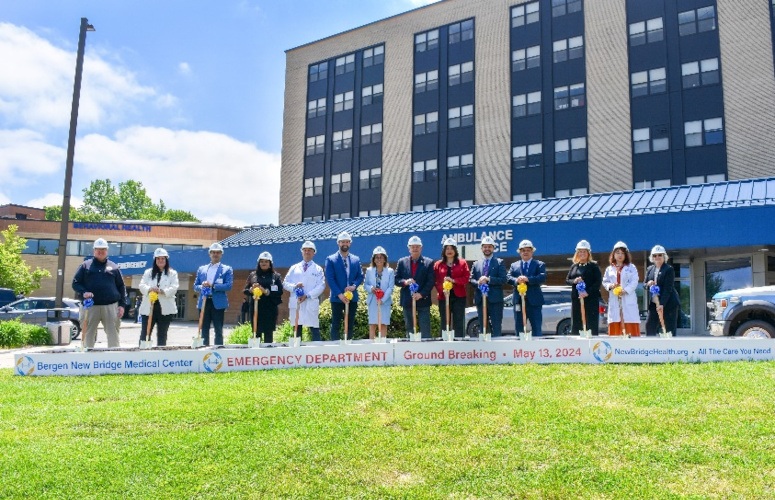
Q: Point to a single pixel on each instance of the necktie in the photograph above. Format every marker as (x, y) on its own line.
(524, 268)
(305, 266)
(486, 267)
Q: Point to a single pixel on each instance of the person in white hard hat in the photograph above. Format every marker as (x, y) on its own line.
(451, 268)
(622, 275)
(343, 274)
(586, 270)
(219, 278)
(100, 279)
(489, 270)
(532, 272)
(308, 276)
(271, 285)
(660, 273)
(379, 276)
(163, 280)
(415, 268)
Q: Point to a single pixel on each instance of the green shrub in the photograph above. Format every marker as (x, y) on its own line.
(240, 334)
(14, 333)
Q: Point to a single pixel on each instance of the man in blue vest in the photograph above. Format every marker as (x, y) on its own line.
(343, 274)
(533, 273)
(213, 281)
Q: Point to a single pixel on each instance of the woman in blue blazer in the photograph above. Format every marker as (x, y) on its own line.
(378, 277)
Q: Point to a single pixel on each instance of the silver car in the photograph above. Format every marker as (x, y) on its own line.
(34, 310)
(556, 314)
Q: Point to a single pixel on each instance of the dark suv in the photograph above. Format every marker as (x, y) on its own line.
(34, 310)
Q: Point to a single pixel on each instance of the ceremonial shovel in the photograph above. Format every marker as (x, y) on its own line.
(255, 340)
(379, 294)
(294, 341)
(660, 312)
(584, 334)
(198, 341)
(414, 337)
(449, 333)
(524, 335)
(86, 305)
(485, 289)
(148, 343)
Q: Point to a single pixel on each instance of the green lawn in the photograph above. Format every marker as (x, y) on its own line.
(535, 431)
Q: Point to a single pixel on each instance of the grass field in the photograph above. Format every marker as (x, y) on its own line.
(525, 431)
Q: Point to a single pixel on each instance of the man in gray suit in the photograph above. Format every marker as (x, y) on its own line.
(491, 271)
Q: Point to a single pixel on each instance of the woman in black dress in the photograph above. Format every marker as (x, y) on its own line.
(661, 274)
(271, 284)
(585, 270)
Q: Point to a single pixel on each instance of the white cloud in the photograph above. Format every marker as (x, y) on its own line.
(184, 68)
(25, 155)
(37, 92)
(4, 200)
(53, 199)
(206, 173)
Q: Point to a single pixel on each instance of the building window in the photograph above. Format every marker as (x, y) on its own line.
(343, 215)
(426, 124)
(371, 134)
(372, 57)
(343, 101)
(565, 50)
(645, 140)
(318, 72)
(426, 81)
(650, 184)
(345, 64)
(461, 73)
(697, 21)
(459, 204)
(646, 32)
(526, 58)
(426, 41)
(527, 197)
(371, 178)
(343, 139)
(697, 73)
(702, 179)
(529, 156)
(340, 183)
(371, 95)
(524, 14)
(366, 213)
(526, 104)
(425, 171)
(704, 132)
(462, 31)
(460, 166)
(564, 193)
(461, 117)
(313, 186)
(316, 107)
(423, 208)
(571, 96)
(316, 145)
(653, 81)
(562, 7)
(570, 150)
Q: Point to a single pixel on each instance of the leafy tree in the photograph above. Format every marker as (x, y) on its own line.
(129, 201)
(14, 272)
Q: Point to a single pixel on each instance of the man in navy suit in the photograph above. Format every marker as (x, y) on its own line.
(415, 268)
(218, 278)
(343, 273)
(533, 273)
(489, 270)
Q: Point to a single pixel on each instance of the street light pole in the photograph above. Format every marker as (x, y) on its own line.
(85, 26)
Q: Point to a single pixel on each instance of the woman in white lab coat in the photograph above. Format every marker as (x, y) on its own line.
(621, 281)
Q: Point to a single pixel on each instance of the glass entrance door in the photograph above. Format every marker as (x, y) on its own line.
(683, 285)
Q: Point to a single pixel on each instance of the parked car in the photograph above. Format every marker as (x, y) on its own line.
(747, 312)
(556, 314)
(34, 310)
(6, 296)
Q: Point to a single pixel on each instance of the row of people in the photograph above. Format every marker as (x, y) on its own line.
(100, 280)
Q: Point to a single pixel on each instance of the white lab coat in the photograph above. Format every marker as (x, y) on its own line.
(629, 283)
(168, 283)
(314, 284)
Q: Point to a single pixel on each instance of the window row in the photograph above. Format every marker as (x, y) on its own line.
(36, 246)
(562, 7)
(704, 132)
(346, 64)
(341, 183)
(428, 123)
(693, 74)
(560, 193)
(565, 97)
(457, 166)
(343, 139)
(458, 32)
(565, 151)
(344, 101)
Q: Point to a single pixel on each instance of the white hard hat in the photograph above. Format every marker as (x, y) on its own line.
(160, 252)
(308, 244)
(344, 235)
(379, 251)
(216, 247)
(449, 242)
(526, 244)
(100, 243)
(621, 244)
(265, 256)
(414, 240)
(584, 245)
(658, 249)
(487, 240)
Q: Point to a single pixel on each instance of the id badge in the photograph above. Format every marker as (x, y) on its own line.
(518, 307)
(273, 288)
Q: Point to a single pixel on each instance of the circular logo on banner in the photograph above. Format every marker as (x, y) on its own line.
(602, 351)
(212, 362)
(25, 366)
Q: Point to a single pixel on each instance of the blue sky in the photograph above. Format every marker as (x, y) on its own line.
(184, 96)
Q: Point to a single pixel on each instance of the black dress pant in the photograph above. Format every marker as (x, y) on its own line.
(161, 322)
